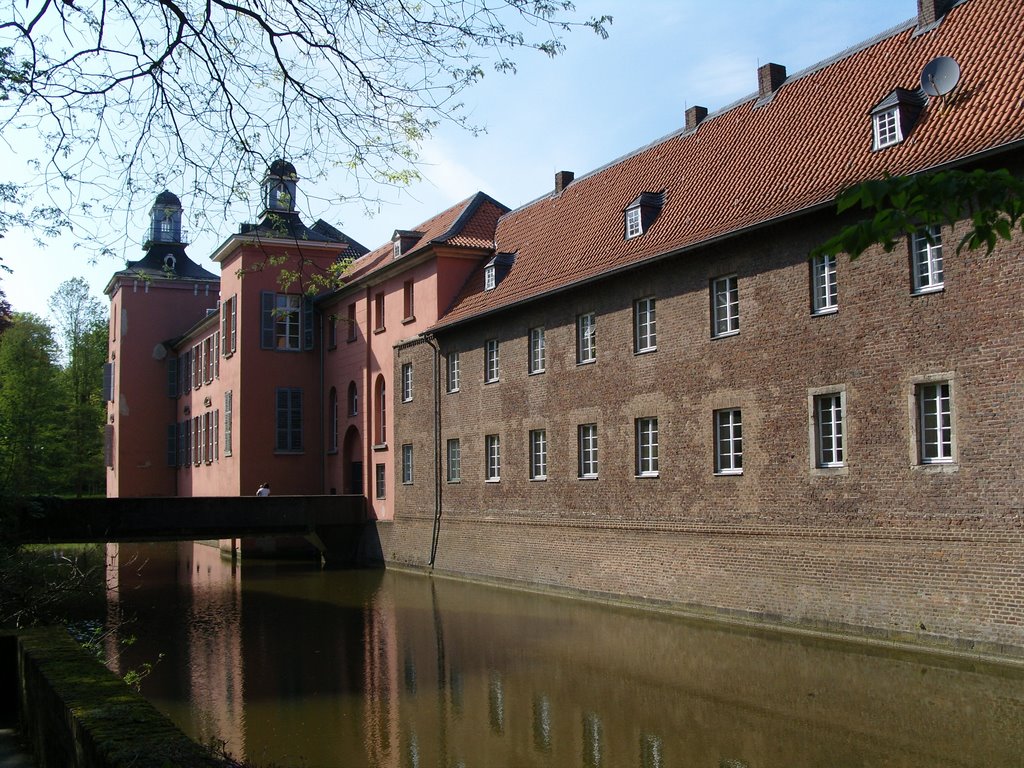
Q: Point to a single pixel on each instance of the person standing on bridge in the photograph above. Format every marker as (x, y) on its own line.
(263, 490)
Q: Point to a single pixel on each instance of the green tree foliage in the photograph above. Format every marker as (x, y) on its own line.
(81, 326)
(991, 203)
(29, 407)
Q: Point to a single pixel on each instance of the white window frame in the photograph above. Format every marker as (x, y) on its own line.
(887, 128)
(824, 285)
(588, 452)
(634, 222)
(489, 278)
(406, 382)
(538, 353)
(492, 454)
(492, 361)
(453, 453)
(936, 440)
(645, 325)
(452, 378)
(538, 454)
(926, 260)
(407, 464)
(725, 306)
(728, 424)
(380, 475)
(829, 429)
(287, 322)
(647, 447)
(586, 338)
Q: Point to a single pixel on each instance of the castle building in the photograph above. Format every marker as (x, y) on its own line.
(640, 385)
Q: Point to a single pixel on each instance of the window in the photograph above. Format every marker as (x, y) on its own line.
(353, 399)
(407, 464)
(351, 323)
(824, 296)
(380, 489)
(725, 306)
(538, 454)
(454, 472)
(489, 278)
(647, 447)
(396, 249)
(492, 450)
(887, 128)
(381, 432)
(728, 442)
(538, 356)
(228, 426)
(634, 224)
(332, 424)
(828, 430)
(645, 326)
(229, 326)
(282, 321)
(108, 382)
(289, 420)
(408, 301)
(934, 423)
(452, 378)
(406, 382)
(332, 331)
(378, 312)
(586, 339)
(492, 369)
(588, 450)
(926, 247)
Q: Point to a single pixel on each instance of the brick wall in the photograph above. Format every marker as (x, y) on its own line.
(883, 543)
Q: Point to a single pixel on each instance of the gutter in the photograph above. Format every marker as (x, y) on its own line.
(436, 532)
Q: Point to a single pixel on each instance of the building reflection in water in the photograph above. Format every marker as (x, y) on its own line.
(299, 667)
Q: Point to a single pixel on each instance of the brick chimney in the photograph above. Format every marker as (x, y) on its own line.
(694, 116)
(563, 179)
(930, 11)
(770, 77)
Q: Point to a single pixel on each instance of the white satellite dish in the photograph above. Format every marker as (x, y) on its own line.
(940, 76)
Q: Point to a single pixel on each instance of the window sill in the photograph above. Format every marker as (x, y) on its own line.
(379, 447)
(538, 479)
(838, 470)
(493, 480)
(278, 452)
(824, 312)
(928, 290)
(409, 319)
(537, 372)
(380, 330)
(332, 451)
(453, 482)
(645, 351)
(725, 335)
(587, 477)
(937, 467)
(407, 483)
(586, 362)
(350, 339)
(406, 399)
(648, 476)
(452, 391)
(332, 347)
(491, 381)
(729, 473)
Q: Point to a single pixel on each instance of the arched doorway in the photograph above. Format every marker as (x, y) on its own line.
(352, 463)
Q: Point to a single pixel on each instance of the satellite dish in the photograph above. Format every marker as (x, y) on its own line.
(940, 76)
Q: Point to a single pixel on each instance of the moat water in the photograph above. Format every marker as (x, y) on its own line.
(297, 667)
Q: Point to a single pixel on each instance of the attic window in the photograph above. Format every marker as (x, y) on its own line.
(640, 214)
(887, 128)
(396, 249)
(489, 281)
(170, 262)
(893, 118)
(634, 224)
(496, 269)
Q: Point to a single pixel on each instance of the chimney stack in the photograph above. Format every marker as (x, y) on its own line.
(930, 11)
(771, 76)
(563, 179)
(694, 116)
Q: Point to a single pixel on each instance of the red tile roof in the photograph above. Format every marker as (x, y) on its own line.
(751, 164)
(467, 224)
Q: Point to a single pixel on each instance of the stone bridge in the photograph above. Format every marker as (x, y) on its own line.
(336, 525)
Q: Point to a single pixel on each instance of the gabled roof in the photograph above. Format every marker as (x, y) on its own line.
(744, 167)
(467, 224)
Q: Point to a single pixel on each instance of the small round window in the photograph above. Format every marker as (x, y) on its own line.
(169, 262)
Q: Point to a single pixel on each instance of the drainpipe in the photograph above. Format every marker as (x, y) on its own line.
(435, 534)
(323, 445)
(368, 469)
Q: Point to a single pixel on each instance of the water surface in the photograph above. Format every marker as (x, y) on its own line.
(296, 666)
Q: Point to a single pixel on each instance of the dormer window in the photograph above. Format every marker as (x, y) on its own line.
(640, 214)
(496, 269)
(893, 118)
(403, 241)
(634, 224)
(396, 249)
(170, 262)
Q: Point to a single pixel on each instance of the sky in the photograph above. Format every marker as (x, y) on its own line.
(596, 102)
